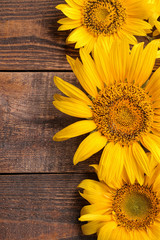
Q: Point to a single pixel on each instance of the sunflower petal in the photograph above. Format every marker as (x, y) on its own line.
(84, 79)
(79, 35)
(132, 168)
(111, 164)
(152, 146)
(91, 227)
(106, 231)
(135, 62)
(90, 68)
(75, 109)
(102, 60)
(93, 186)
(141, 157)
(153, 85)
(72, 13)
(74, 130)
(96, 208)
(95, 217)
(121, 233)
(148, 61)
(71, 91)
(90, 145)
(119, 56)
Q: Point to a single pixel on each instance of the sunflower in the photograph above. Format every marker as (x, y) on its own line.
(126, 211)
(153, 19)
(105, 20)
(121, 111)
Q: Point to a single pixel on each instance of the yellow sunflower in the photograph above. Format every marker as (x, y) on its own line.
(126, 211)
(122, 110)
(105, 20)
(153, 19)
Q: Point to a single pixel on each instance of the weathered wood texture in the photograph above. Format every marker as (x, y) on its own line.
(41, 207)
(28, 122)
(29, 39)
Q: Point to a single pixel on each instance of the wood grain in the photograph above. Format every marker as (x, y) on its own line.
(29, 121)
(41, 207)
(29, 39)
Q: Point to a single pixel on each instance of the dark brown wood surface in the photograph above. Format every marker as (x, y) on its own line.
(28, 123)
(41, 207)
(38, 195)
(29, 39)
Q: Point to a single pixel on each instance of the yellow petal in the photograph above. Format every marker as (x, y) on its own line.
(136, 26)
(74, 130)
(148, 61)
(92, 186)
(83, 39)
(152, 146)
(96, 208)
(156, 184)
(141, 234)
(156, 104)
(90, 145)
(79, 35)
(84, 79)
(121, 233)
(71, 91)
(79, 2)
(93, 198)
(119, 57)
(106, 231)
(132, 168)
(90, 68)
(75, 109)
(141, 157)
(95, 217)
(153, 232)
(95, 192)
(68, 26)
(90, 45)
(135, 62)
(66, 21)
(102, 60)
(111, 162)
(153, 85)
(72, 13)
(91, 227)
(128, 37)
(72, 3)
(58, 97)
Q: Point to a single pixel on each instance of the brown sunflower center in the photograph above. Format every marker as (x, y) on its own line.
(135, 207)
(122, 113)
(103, 16)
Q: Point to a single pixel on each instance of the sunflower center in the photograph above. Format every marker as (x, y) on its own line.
(122, 113)
(135, 207)
(103, 16)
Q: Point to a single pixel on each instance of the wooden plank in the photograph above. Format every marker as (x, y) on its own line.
(29, 39)
(28, 122)
(41, 207)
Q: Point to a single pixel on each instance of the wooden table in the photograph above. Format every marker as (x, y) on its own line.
(38, 195)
